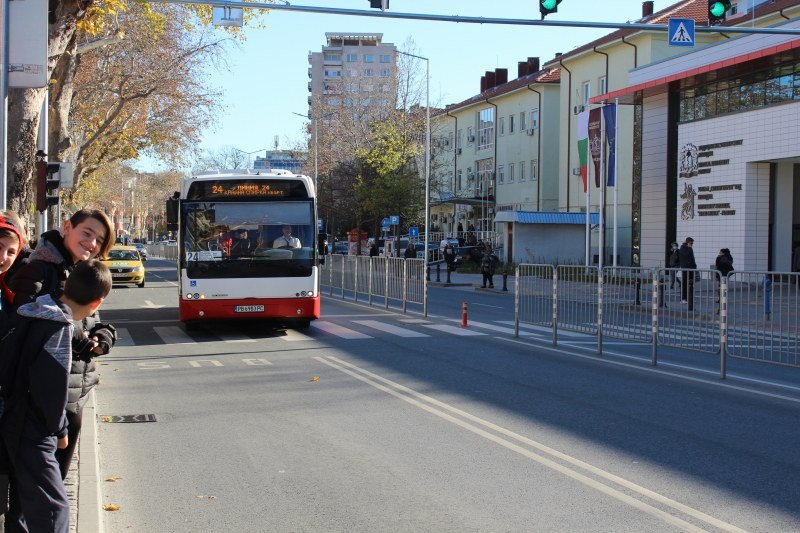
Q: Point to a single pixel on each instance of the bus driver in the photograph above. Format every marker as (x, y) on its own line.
(286, 240)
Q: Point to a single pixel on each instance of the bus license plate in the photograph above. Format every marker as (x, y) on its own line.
(248, 309)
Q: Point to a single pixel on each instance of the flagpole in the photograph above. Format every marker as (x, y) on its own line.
(616, 140)
(603, 171)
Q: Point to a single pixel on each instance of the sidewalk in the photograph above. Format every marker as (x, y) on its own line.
(475, 280)
(83, 481)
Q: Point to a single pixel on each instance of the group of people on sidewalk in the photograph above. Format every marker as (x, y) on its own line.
(51, 333)
(681, 259)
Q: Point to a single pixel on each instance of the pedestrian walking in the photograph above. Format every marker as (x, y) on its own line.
(687, 264)
(410, 253)
(673, 264)
(88, 234)
(34, 422)
(488, 264)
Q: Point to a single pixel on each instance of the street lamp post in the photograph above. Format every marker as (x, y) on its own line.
(314, 120)
(248, 154)
(427, 172)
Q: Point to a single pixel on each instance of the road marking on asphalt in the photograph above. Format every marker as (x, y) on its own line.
(498, 329)
(471, 423)
(233, 338)
(543, 329)
(485, 305)
(173, 335)
(414, 321)
(292, 335)
(124, 338)
(455, 330)
(389, 328)
(339, 331)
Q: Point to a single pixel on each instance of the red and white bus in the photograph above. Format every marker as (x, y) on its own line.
(248, 247)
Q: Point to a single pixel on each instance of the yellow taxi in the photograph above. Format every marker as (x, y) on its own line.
(126, 265)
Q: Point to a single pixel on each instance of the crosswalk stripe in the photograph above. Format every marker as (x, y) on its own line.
(389, 328)
(227, 337)
(542, 329)
(339, 331)
(124, 338)
(498, 329)
(455, 330)
(414, 321)
(292, 335)
(173, 335)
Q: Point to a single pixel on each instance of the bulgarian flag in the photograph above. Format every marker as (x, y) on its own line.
(583, 147)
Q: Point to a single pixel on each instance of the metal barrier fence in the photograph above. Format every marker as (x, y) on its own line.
(166, 252)
(371, 279)
(747, 315)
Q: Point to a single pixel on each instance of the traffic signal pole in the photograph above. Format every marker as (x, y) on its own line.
(478, 20)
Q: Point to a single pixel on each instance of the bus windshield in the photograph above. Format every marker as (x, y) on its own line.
(248, 240)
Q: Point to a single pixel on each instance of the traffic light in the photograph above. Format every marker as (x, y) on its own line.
(548, 7)
(717, 10)
(379, 4)
(48, 177)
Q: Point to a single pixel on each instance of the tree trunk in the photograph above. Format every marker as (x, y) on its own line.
(25, 109)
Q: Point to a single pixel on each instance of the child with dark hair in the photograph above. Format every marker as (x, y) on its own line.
(34, 421)
(86, 235)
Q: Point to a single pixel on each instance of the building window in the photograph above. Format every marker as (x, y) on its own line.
(450, 141)
(332, 73)
(369, 58)
(352, 58)
(501, 174)
(522, 171)
(533, 169)
(352, 72)
(511, 172)
(368, 72)
(367, 87)
(384, 88)
(328, 56)
(385, 72)
(486, 128)
(470, 136)
(587, 92)
(385, 58)
(459, 139)
(502, 126)
(535, 119)
(522, 122)
(459, 182)
(511, 124)
(365, 102)
(603, 84)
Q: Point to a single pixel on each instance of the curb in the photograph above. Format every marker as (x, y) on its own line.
(90, 517)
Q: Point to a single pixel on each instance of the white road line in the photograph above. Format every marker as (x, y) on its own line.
(485, 305)
(543, 329)
(498, 329)
(292, 335)
(414, 321)
(438, 408)
(454, 330)
(124, 338)
(173, 335)
(339, 331)
(389, 328)
(233, 338)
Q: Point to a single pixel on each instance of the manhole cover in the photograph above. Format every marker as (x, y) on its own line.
(128, 418)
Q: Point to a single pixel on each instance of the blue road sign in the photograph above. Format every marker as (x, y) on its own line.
(413, 232)
(681, 32)
(395, 220)
(384, 222)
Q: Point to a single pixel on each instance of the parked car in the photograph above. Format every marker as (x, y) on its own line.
(451, 240)
(433, 251)
(142, 250)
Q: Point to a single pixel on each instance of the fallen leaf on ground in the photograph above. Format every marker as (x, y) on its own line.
(110, 507)
(106, 419)
(113, 478)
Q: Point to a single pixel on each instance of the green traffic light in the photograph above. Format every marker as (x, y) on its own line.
(717, 9)
(549, 4)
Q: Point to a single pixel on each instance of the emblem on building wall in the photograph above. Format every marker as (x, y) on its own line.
(688, 162)
(687, 209)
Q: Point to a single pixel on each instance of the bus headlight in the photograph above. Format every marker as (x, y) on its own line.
(189, 296)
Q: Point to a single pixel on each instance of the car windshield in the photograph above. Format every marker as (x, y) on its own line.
(124, 255)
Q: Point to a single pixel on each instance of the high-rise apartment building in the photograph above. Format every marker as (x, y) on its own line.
(354, 76)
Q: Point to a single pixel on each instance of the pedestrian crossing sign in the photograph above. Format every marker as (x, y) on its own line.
(681, 32)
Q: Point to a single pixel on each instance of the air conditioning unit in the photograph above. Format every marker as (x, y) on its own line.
(470, 138)
(576, 171)
(458, 151)
(530, 131)
(578, 109)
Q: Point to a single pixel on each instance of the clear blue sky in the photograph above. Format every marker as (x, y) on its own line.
(268, 78)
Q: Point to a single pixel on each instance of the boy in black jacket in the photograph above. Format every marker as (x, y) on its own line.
(34, 423)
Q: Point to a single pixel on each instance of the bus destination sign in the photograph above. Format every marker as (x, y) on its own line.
(247, 189)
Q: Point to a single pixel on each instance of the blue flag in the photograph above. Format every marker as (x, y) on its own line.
(610, 116)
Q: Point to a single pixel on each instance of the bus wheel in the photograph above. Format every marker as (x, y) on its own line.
(191, 325)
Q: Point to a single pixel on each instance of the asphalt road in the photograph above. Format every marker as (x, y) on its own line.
(372, 420)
